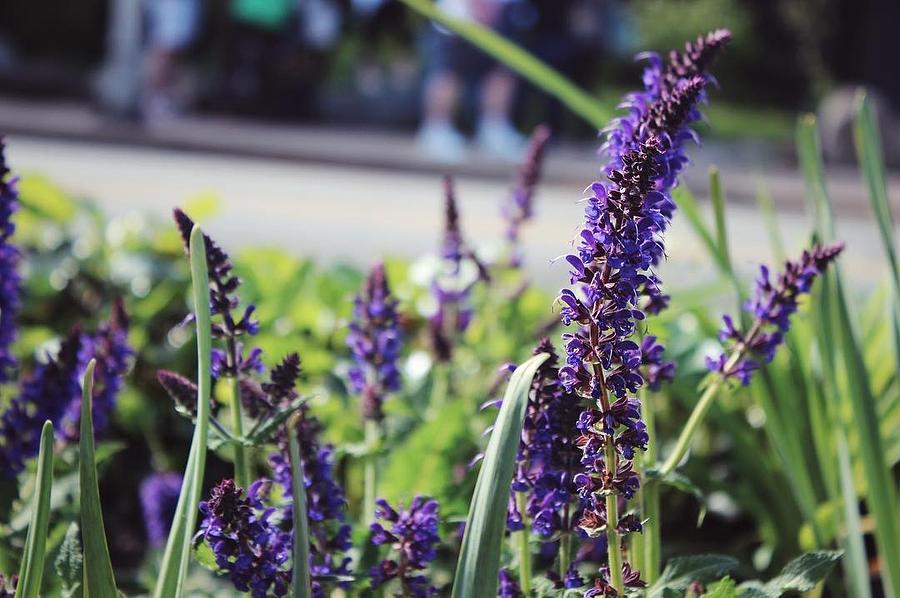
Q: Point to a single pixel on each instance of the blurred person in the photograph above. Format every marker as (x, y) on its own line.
(451, 61)
(260, 31)
(172, 27)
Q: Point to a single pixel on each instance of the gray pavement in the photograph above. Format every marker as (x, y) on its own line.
(356, 214)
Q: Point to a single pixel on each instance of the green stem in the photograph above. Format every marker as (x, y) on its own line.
(565, 553)
(523, 547)
(241, 461)
(613, 545)
(693, 422)
(373, 434)
(439, 387)
(651, 533)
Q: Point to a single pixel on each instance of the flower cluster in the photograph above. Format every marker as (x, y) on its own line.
(548, 458)
(53, 391)
(413, 536)
(508, 587)
(109, 346)
(612, 275)
(247, 541)
(452, 288)
(520, 206)
(375, 342)
(771, 308)
(329, 534)
(223, 301)
(159, 497)
(10, 280)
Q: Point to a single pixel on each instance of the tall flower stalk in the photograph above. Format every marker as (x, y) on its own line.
(375, 342)
(615, 286)
(10, 280)
(770, 309)
(232, 363)
(519, 208)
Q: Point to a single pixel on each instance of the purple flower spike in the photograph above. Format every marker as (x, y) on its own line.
(613, 282)
(159, 497)
(375, 341)
(412, 535)
(509, 587)
(247, 543)
(519, 209)
(10, 280)
(771, 308)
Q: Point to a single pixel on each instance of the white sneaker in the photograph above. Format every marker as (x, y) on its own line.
(441, 142)
(499, 138)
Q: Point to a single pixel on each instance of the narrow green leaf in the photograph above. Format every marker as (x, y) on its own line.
(857, 567)
(681, 571)
(688, 206)
(519, 60)
(176, 558)
(32, 568)
(301, 581)
(98, 578)
(724, 588)
(717, 197)
(843, 355)
(479, 558)
(770, 219)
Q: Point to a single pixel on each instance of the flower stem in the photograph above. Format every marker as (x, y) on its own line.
(373, 434)
(651, 532)
(241, 461)
(565, 553)
(523, 547)
(690, 428)
(613, 548)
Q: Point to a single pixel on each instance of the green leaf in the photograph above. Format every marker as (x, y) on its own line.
(843, 355)
(522, 62)
(479, 558)
(264, 432)
(98, 578)
(176, 558)
(724, 588)
(803, 573)
(301, 581)
(69, 563)
(681, 571)
(717, 197)
(32, 568)
(203, 553)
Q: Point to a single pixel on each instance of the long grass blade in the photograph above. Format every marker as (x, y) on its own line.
(519, 60)
(479, 558)
(844, 353)
(300, 582)
(98, 578)
(32, 567)
(176, 558)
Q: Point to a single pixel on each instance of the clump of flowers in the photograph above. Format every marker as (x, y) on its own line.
(453, 286)
(247, 542)
(10, 280)
(375, 342)
(413, 536)
(612, 274)
(159, 497)
(519, 208)
(771, 308)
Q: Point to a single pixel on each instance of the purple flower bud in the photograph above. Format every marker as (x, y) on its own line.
(412, 535)
(520, 206)
(10, 280)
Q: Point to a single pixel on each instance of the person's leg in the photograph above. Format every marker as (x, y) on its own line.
(496, 133)
(440, 97)
(437, 136)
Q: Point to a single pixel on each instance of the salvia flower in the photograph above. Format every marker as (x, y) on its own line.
(771, 308)
(519, 209)
(110, 348)
(549, 457)
(230, 322)
(375, 342)
(10, 280)
(413, 536)
(508, 586)
(159, 497)
(613, 281)
(246, 539)
(329, 533)
(44, 395)
(453, 285)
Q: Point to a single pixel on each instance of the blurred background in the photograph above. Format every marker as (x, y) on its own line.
(285, 109)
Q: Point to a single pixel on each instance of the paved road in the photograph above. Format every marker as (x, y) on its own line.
(357, 214)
